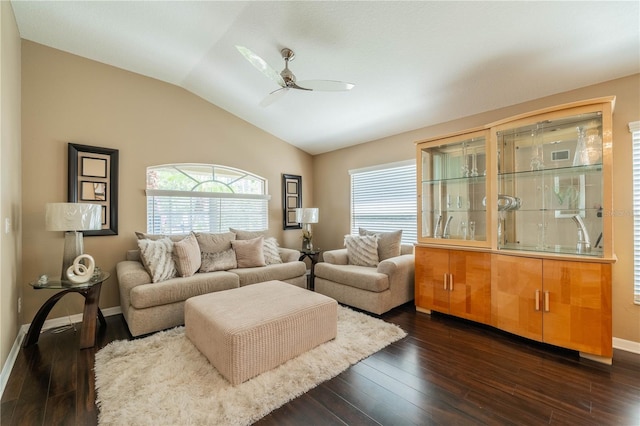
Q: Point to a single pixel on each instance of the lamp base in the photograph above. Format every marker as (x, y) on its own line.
(73, 247)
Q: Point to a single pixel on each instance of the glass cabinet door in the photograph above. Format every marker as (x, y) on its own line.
(550, 186)
(453, 188)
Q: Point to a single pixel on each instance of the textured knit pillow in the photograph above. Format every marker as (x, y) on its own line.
(156, 258)
(249, 253)
(216, 252)
(271, 253)
(362, 250)
(173, 237)
(389, 243)
(186, 255)
(248, 235)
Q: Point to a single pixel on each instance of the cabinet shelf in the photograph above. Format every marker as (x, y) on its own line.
(558, 171)
(472, 180)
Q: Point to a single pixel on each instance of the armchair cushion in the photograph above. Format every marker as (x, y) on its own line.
(362, 277)
(389, 243)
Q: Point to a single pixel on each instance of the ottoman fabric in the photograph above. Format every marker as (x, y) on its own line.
(249, 330)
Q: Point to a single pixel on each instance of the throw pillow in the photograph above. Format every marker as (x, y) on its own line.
(219, 261)
(186, 255)
(215, 251)
(362, 250)
(271, 253)
(249, 253)
(156, 258)
(389, 243)
(248, 235)
(174, 237)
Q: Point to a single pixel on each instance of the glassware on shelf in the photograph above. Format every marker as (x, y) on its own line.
(588, 147)
(474, 164)
(537, 148)
(464, 169)
(472, 230)
(462, 230)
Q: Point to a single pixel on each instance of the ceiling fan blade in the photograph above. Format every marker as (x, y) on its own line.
(273, 96)
(261, 65)
(325, 85)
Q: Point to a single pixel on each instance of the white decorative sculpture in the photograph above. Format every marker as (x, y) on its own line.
(79, 273)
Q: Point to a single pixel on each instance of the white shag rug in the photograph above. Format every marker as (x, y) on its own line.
(164, 380)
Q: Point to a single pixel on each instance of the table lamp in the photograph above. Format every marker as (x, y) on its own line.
(306, 217)
(72, 218)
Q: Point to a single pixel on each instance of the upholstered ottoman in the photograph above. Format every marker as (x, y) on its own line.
(249, 330)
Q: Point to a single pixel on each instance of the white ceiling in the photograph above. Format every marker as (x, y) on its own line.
(413, 63)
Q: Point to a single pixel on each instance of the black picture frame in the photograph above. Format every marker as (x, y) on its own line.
(291, 200)
(86, 164)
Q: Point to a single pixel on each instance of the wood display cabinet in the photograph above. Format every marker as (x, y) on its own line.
(516, 216)
(455, 282)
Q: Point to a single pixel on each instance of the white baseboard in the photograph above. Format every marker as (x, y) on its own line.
(626, 345)
(48, 324)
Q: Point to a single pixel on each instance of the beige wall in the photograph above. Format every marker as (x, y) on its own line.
(331, 177)
(10, 165)
(67, 98)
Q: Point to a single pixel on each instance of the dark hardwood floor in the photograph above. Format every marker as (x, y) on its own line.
(447, 371)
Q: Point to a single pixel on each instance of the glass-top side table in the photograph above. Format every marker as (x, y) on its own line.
(314, 257)
(91, 292)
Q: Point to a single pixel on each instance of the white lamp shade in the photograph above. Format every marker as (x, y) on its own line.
(309, 215)
(73, 217)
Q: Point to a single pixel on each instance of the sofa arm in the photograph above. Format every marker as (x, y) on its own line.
(288, 255)
(336, 257)
(131, 274)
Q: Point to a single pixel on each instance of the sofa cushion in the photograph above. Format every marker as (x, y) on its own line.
(271, 252)
(389, 243)
(156, 258)
(186, 255)
(180, 289)
(154, 237)
(362, 250)
(248, 235)
(279, 272)
(362, 277)
(216, 251)
(249, 253)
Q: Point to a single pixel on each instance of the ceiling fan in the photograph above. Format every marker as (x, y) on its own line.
(286, 79)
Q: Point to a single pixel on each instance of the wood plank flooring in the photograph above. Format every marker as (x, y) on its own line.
(447, 371)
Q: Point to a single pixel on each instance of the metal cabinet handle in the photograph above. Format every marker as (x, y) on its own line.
(450, 282)
(537, 300)
(445, 281)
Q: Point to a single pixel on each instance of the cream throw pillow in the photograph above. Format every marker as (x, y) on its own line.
(362, 250)
(248, 235)
(249, 253)
(216, 251)
(156, 258)
(186, 255)
(389, 243)
(271, 253)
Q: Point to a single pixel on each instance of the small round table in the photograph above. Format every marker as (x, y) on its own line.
(314, 257)
(91, 292)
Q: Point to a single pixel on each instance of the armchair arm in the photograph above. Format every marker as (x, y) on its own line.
(288, 255)
(336, 257)
(395, 266)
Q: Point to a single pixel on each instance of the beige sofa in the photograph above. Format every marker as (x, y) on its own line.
(373, 289)
(149, 307)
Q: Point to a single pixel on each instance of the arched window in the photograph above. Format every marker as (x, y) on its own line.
(204, 198)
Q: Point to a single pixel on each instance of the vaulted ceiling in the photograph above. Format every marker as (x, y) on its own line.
(413, 63)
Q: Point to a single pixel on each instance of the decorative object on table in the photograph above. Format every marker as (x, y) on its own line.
(291, 200)
(306, 217)
(79, 272)
(44, 279)
(128, 371)
(93, 178)
(72, 218)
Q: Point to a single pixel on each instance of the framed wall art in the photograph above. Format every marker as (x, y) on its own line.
(93, 178)
(291, 200)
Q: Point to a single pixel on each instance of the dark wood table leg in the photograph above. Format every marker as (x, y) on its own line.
(90, 316)
(38, 321)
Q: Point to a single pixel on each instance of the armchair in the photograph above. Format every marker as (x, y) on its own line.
(370, 288)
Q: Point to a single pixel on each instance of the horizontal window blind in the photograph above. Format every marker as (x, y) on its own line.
(383, 199)
(635, 130)
(180, 214)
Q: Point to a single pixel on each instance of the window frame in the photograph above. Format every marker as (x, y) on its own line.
(634, 129)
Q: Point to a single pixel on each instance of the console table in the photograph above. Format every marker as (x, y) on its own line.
(91, 292)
